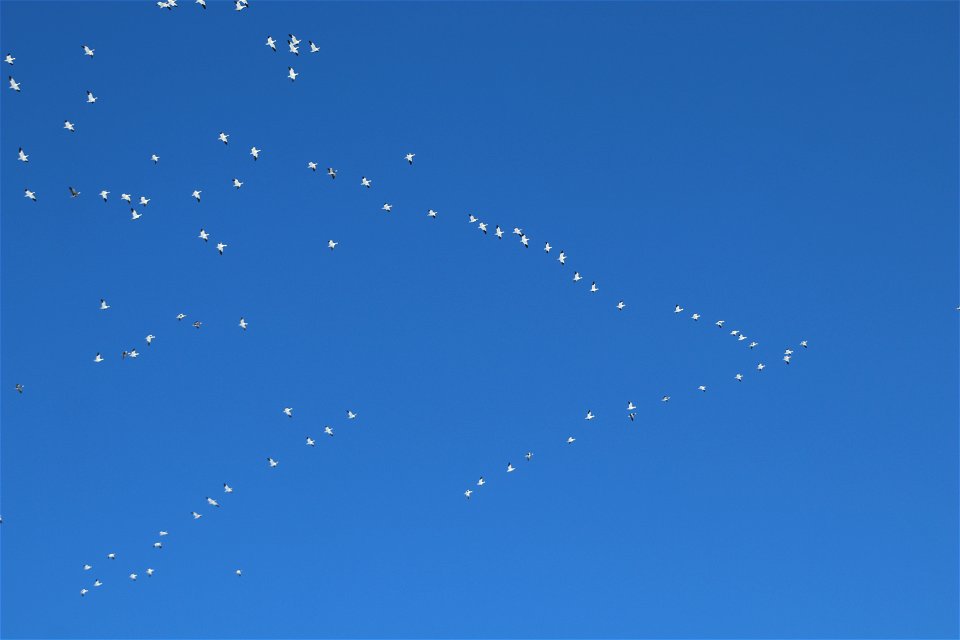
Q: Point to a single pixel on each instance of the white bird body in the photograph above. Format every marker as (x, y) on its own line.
(288, 411)
(87, 51)
(91, 98)
(21, 156)
(331, 244)
(243, 324)
(255, 152)
(292, 74)
(571, 440)
(14, 84)
(593, 287)
(328, 431)
(98, 358)
(223, 137)
(220, 247)
(272, 43)
(310, 442)
(227, 488)
(196, 195)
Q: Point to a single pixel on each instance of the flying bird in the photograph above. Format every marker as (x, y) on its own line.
(223, 137)
(204, 235)
(310, 442)
(677, 309)
(328, 431)
(69, 126)
(365, 182)
(19, 387)
(73, 192)
(21, 156)
(126, 197)
(196, 195)
(29, 194)
(134, 215)
(481, 482)
(104, 194)
(510, 468)
(150, 338)
(621, 305)
(144, 201)
(593, 287)
(98, 358)
(212, 502)
(562, 258)
(255, 152)
(739, 377)
(243, 324)
(528, 456)
(196, 516)
(14, 84)
(695, 317)
(9, 59)
(577, 277)
(387, 207)
(351, 415)
(409, 158)
(761, 367)
(331, 244)
(571, 440)
(313, 48)
(220, 247)
(589, 415)
(312, 166)
(332, 173)
(227, 488)
(288, 411)
(103, 305)
(433, 214)
(87, 51)
(237, 183)
(91, 98)
(272, 43)
(292, 74)
(468, 493)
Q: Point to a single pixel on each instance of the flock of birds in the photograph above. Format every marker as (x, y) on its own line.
(522, 237)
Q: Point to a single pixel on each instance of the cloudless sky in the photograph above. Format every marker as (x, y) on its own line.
(790, 168)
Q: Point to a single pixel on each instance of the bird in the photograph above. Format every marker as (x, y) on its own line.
(510, 468)
(203, 5)
(734, 332)
(196, 195)
(227, 488)
(19, 388)
(719, 323)
(332, 173)
(103, 305)
(786, 359)
(468, 493)
(631, 406)
(528, 456)
(288, 411)
(577, 277)
(237, 183)
(293, 38)
(741, 338)
(97, 583)
(204, 235)
(111, 556)
(98, 358)
(547, 247)
(312, 166)
(351, 415)
(665, 399)
(313, 48)
(433, 214)
(104, 194)
(21, 156)
(149, 572)
(483, 227)
(571, 440)
(83, 592)
(242, 324)
(739, 377)
(220, 247)
(150, 338)
(409, 158)
(517, 231)
(14, 84)
(181, 316)
(239, 5)
(472, 219)
(91, 98)
(134, 215)
(677, 309)
(212, 502)
(753, 344)
(481, 482)
(158, 545)
(803, 343)
(589, 415)
(273, 463)
(196, 516)
(525, 241)
(328, 431)
(788, 352)
(197, 324)
(701, 388)
(593, 287)
(387, 207)
(144, 201)
(331, 244)
(73, 192)
(155, 158)
(163, 533)
(293, 48)
(498, 232)
(223, 137)
(9, 59)
(695, 317)
(271, 43)
(310, 442)
(621, 305)
(29, 194)
(69, 126)
(562, 258)
(364, 181)
(87, 51)
(632, 416)
(126, 197)
(238, 572)
(133, 353)
(292, 74)
(761, 367)
(255, 152)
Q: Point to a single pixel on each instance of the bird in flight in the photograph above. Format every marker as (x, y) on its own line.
(212, 502)
(196, 516)
(409, 158)
(468, 493)
(69, 126)
(313, 48)
(87, 51)
(227, 488)
(288, 411)
(351, 415)
(433, 214)
(223, 137)
(528, 456)
(9, 59)
(91, 98)
(719, 323)
(19, 388)
(220, 247)
(312, 166)
(243, 324)
(196, 195)
(593, 287)
(103, 305)
(134, 215)
(387, 207)
(761, 366)
(237, 183)
(331, 244)
(150, 338)
(589, 415)
(271, 43)
(562, 258)
(73, 192)
(98, 358)
(21, 156)
(577, 277)
(29, 194)
(695, 317)
(292, 74)
(126, 197)
(204, 235)
(328, 431)
(273, 463)
(701, 388)
(104, 194)
(481, 482)
(510, 468)
(571, 440)
(310, 442)
(366, 182)
(255, 152)
(621, 305)
(677, 309)
(332, 173)
(739, 377)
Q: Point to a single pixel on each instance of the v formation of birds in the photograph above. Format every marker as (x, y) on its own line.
(139, 206)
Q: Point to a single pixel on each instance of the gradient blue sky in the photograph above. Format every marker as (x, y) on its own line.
(790, 168)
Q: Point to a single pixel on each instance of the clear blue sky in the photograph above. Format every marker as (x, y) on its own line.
(790, 168)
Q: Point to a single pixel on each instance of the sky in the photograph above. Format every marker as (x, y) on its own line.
(790, 168)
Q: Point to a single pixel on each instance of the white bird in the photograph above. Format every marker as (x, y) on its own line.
(29, 194)
(589, 415)
(483, 227)
(677, 309)
(665, 399)
(331, 244)
(243, 324)
(741, 338)
(312, 166)
(433, 214)
(701, 388)
(498, 232)
(468, 493)
(481, 482)
(212, 502)
(98, 358)
(632, 416)
(593, 287)
(788, 352)
(332, 173)
(9, 59)
(240, 5)
(144, 201)
(387, 207)
(547, 247)
(631, 406)
(255, 152)
(351, 415)
(525, 241)
(181, 316)
(133, 353)
(97, 583)
(111, 556)
(528, 456)
(571, 439)
(365, 182)
(150, 338)
(83, 592)
(293, 48)
(126, 197)
(91, 98)
(158, 545)
(310, 442)
(271, 43)
(739, 377)
(103, 305)
(196, 516)
(272, 462)
(196, 195)
(149, 572)
(562, 258)
(786, 359)
(328, 431)
(237, 183)
(202, 3)
(761, 367)
(227, 488)
(621, 305)
(695, 317)
(409, 158)
(238, 572)
(220, 247)
(21, 156)
(510, 468)
(288, 411)
(104, 194)
(292, 74)
(13, 83)
(803, 343)
(734, 332)
(87, 567)
(577, 277)
(753, 344)
(472, 219)
(134, 215)
(196, 325)
(223, 137)
(163, 533)
(73, 192)
(155, 158)
(313, 48)
(87, 51)
(720, 323)
(133, 577)
(68, 125)
(517, 231)
(204, 235)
